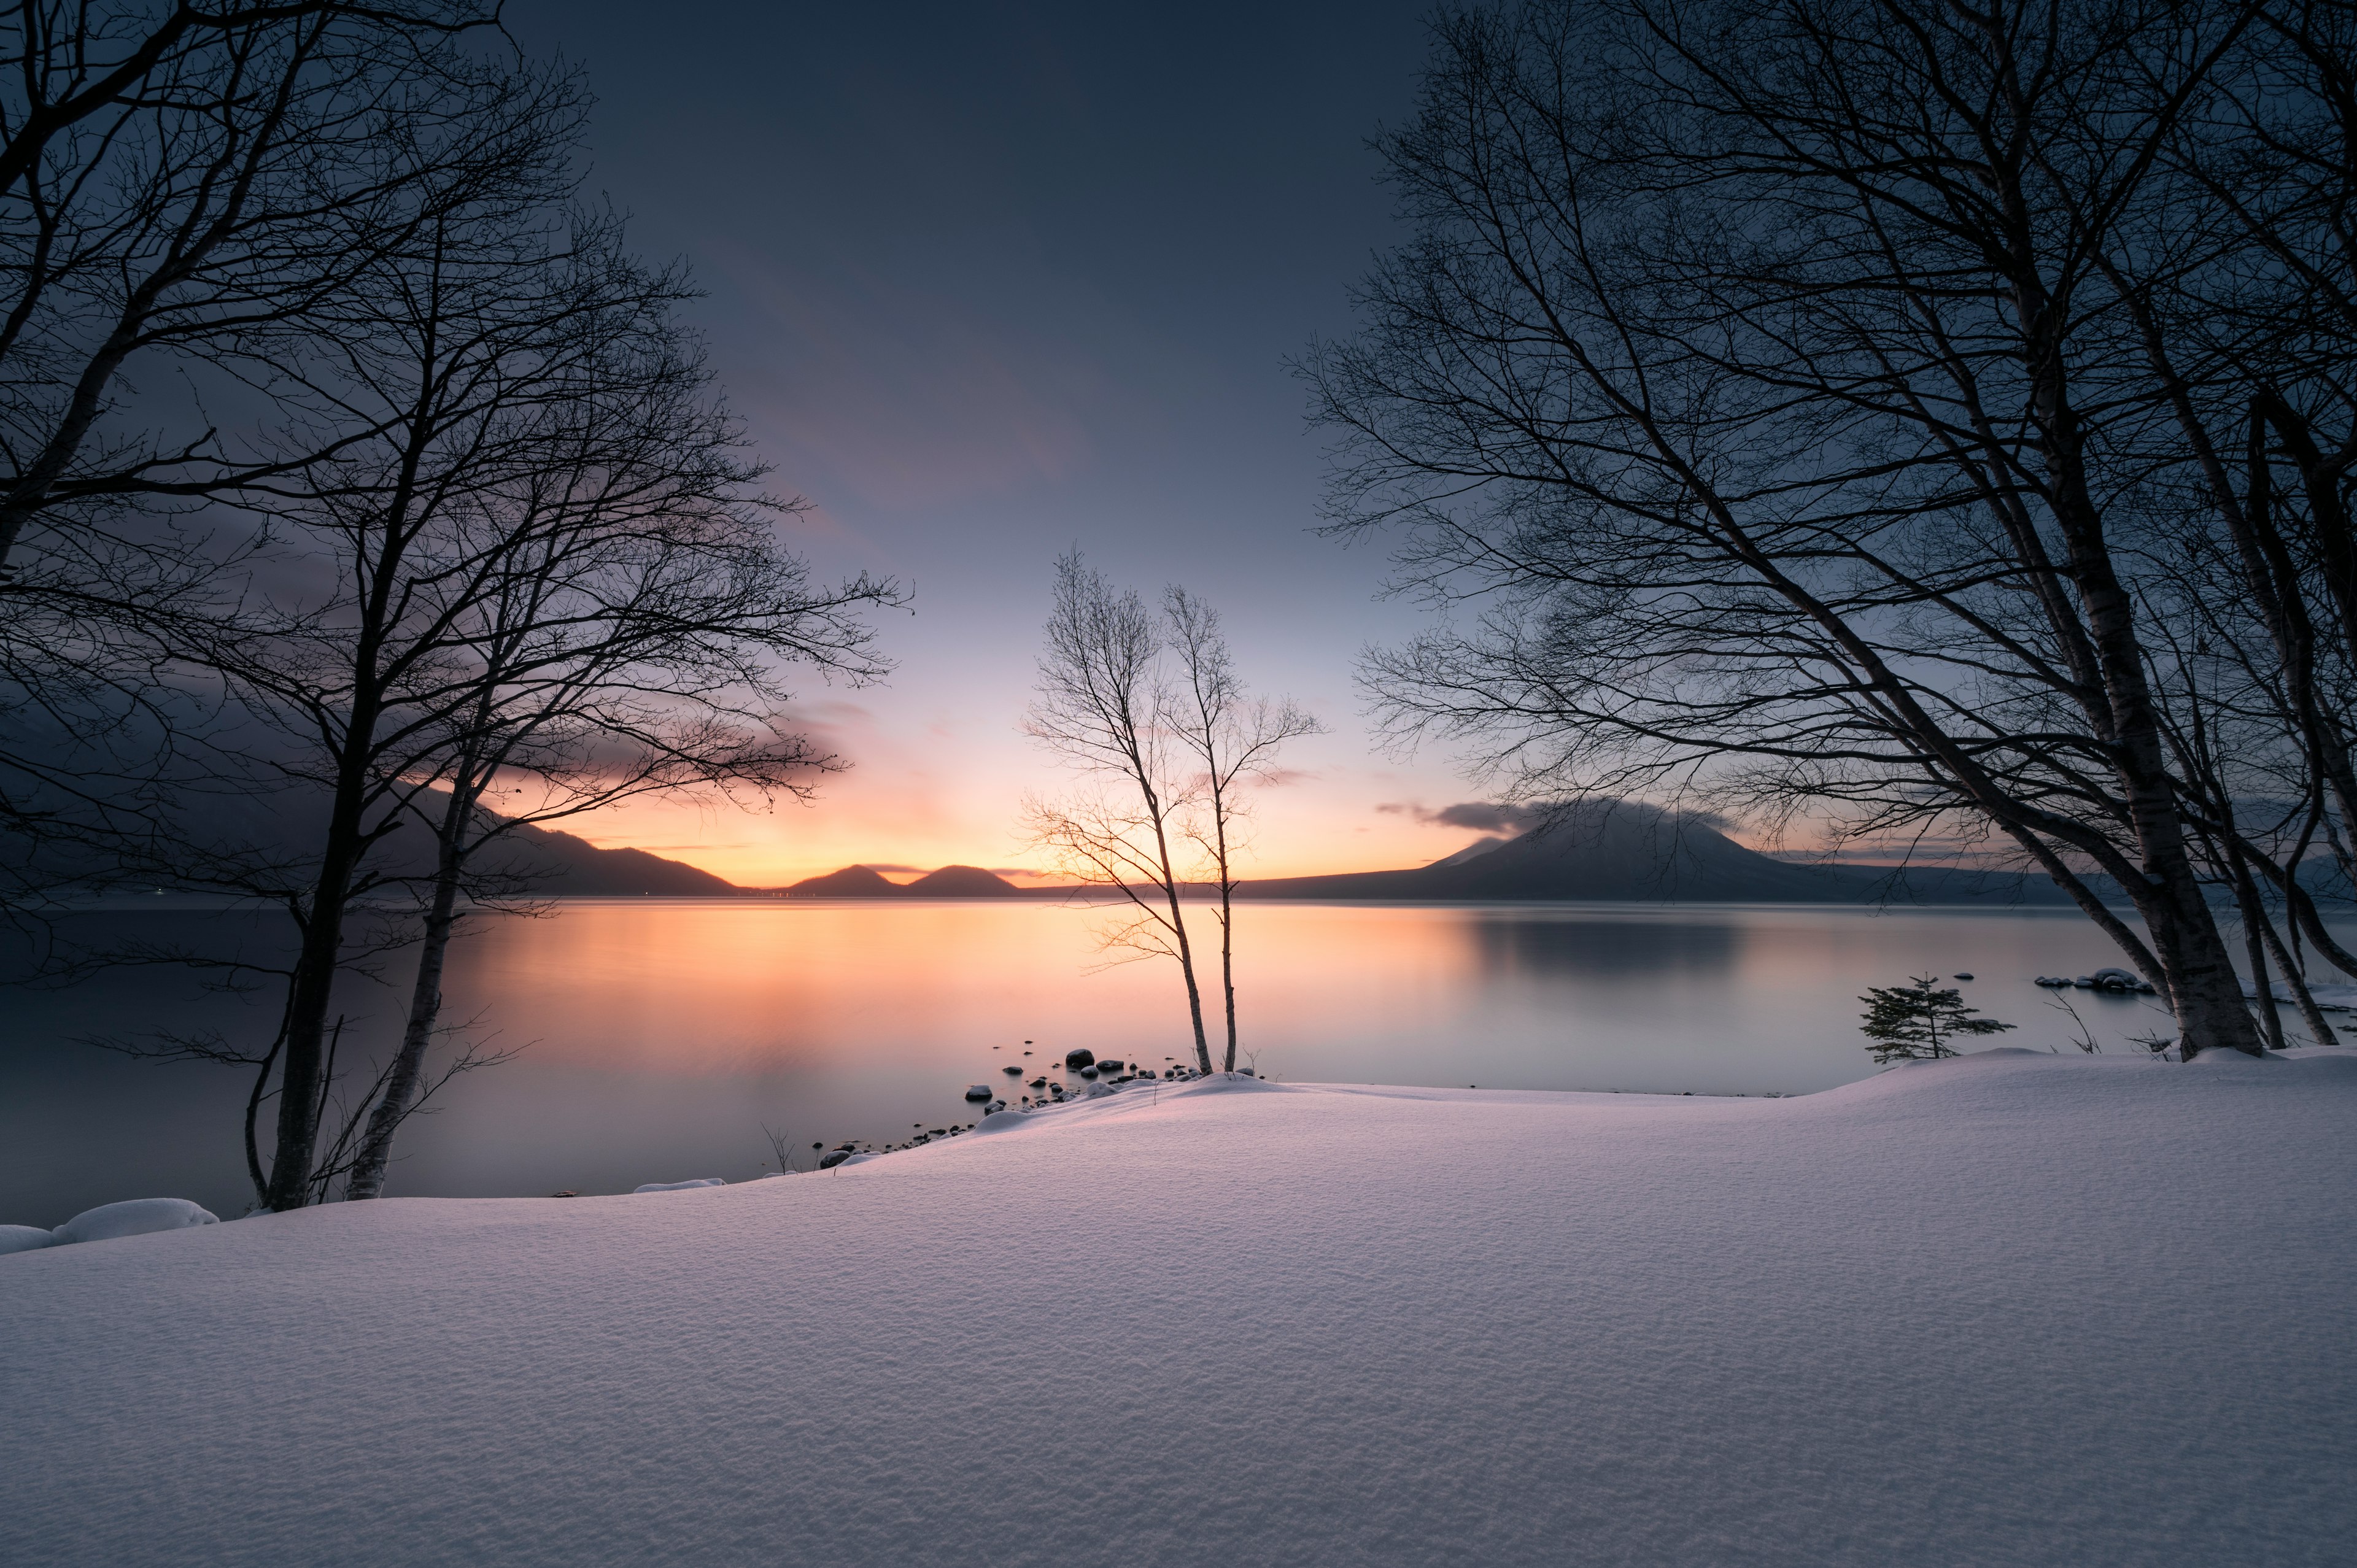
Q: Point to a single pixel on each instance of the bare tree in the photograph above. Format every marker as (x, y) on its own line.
(474, 547)
(185, 190)
(184, 186)
(633, 647)
(1098, 709)
(1802, 389)
(1234, 739)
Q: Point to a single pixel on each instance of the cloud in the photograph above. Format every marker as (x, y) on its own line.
(1502, 818)
(1479, 816)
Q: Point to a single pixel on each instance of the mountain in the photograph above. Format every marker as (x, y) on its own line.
(564, 866)
(1625, 852)
(863, 882)
(851, 882)
(1600, 849)
(962, 882)
(276, 833)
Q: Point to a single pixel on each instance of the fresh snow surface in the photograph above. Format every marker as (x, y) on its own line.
(679, 1186)
(132, 1216)
(2006, 1309)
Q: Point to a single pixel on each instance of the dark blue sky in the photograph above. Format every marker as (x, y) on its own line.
(988, 281)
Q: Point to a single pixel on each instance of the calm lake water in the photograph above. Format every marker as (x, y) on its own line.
(662, 1035)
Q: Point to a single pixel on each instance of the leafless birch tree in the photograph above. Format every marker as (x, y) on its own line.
(1233, 738)
(1098, 707)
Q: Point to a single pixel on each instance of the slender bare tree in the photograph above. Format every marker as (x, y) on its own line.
(1234, 739)
(1098, 708)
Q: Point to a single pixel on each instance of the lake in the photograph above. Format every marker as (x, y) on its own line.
(661, 1035)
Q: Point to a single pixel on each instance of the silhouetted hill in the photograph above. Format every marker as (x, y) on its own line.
(864, 882)
(1623, 852)
(962, 882)
(275, 834)
(564, 866)
(851, 882)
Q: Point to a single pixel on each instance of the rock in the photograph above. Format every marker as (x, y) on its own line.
(1037, 1083)
(2052, 981)
(1088, 1072)
(1110, 1064)
(979, 1091)
(831, 1159)
(23, 1237)
(568, 1192)
(681, 1186)
(133, 1217)
(1012, 1071)
(1079, 1058)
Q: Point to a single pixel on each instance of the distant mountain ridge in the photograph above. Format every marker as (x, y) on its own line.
(1625, 852)
(1619, 851)
(281, 830)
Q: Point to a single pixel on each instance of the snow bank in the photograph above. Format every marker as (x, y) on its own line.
(132, 1216)
(2011, 1309)
(23, 1237)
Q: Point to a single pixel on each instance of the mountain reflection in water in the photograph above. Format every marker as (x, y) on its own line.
(662, 1035)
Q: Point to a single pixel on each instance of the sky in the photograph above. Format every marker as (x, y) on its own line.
(990, 282)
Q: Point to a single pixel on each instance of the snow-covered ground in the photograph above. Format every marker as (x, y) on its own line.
(2008, 1309)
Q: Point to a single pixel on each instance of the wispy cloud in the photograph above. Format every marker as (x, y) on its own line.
(1478, 816)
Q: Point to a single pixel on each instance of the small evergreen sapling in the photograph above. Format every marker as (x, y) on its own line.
(1915, 1022)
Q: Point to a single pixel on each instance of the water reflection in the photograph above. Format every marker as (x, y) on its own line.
(1518, 943)
(663, 1036)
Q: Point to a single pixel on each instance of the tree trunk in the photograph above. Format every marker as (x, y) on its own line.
(2305, 1000)
(1186, 961)
(1227, 923)
(425, 1006)
(1154, 811)
(2255, 917)
(2205, 994)
(301, 1086)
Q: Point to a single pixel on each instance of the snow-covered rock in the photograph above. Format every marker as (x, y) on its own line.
(23, 1237)
(2006, 1311)
(679, 1186)
(133, 1217)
